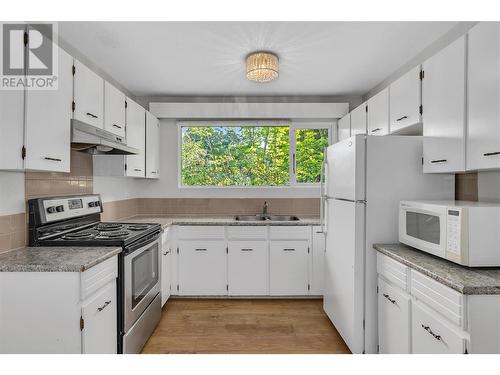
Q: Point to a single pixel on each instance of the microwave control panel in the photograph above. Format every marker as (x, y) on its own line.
(453, 230)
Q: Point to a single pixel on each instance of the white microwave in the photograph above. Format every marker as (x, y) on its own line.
(467, 233)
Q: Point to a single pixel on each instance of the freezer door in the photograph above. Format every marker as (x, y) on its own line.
(345, 169)
(344, 271)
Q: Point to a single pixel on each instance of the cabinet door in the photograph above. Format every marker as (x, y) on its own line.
(166, 267)
(431, 334)
(202, 268)
(99, 316)
(48, 122)
(404, 101)
(88, 96)
(248, 268)
(136, 137)
(483, 143)
(114, 110)
(358, 120)
(152, 146)
(393, 319)
(378, 113)
(443, 99)
(11, 129)
(318, 258)
(344, 127)
(289, 265)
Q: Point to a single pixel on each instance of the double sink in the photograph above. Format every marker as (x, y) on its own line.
(266, 218)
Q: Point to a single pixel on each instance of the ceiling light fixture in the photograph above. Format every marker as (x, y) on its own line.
(262, 66)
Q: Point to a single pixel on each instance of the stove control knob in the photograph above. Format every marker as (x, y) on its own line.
(51, 209)
(91, 204)
(60, 208)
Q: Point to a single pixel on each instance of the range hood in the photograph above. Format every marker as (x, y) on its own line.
(96, 141)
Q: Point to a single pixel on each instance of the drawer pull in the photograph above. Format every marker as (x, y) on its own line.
(492, 153)
(402, 118)
(104, 306)
(376, 130)
(288, 249)
(200, 249)
(52, 159)
(91, 115)
(138, 169)
(393, 301)
(439, 161)
(246, 249)
(428, 329)
(117, 126)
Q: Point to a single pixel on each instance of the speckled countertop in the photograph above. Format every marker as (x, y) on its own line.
(213, 220)
(463, 279)
(55, 259)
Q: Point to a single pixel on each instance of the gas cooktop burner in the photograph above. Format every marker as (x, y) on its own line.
(137, 227)
(108, 226)
(115, 234)
(84, 234)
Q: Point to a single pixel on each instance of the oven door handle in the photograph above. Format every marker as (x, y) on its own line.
(144, 241)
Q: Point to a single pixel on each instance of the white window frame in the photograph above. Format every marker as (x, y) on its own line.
(292, 126)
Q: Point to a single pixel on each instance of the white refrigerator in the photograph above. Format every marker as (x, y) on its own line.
(364, 178)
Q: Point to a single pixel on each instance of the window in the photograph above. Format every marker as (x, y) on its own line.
(245, 153)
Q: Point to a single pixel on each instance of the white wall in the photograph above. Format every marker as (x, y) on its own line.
(489, 186)
(11, 193)
(167, 185)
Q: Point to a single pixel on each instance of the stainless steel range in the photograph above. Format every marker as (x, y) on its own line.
(75, 221)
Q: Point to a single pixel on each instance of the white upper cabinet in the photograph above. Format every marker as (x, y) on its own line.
(483, 143)
(404, 103)
(11, 129)
(152, 146)
(136, 137)
(358, 120)
(48, 120)
(344, 127)
(443, 100)
(88, 96)
(114, 110)
(378, 113)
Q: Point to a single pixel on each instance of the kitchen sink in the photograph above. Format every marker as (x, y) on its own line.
(266, 218)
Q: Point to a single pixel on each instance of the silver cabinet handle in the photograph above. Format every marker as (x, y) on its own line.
(91, 115)
(104, 306)
(393, 301)
(166, 252)
(376, 130)
(52, 159)
(428, 329)
(138, 169)
(492, 153)
(439, 161)
(117, 126)
(246, 249)
(289, 249)
(402, 118)
(200, 249)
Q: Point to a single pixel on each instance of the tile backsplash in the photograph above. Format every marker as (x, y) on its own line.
(12, 232)
(466, 187)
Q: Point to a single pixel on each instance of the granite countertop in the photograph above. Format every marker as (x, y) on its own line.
(463, 279)
(213, 220)
(55, 259)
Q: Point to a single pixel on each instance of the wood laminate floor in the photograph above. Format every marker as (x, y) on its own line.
(278, 326)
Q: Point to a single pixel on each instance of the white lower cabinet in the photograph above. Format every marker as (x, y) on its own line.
(431, 334)
(288, 264)
(393, 319)
(318, 266)
(166, 266)
(248, 268)
(202, 268)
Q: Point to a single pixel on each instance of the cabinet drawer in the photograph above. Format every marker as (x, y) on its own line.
(290, 233)
(444, 300)
(246, 233)
(431, 334)
(200, 232)
(393, 271)
(98, 276)
(393, 319)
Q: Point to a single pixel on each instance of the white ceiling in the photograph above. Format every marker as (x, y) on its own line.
(207, 58)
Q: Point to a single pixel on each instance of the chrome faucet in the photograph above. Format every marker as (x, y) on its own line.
(264, 209)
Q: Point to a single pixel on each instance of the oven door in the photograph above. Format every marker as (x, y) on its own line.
(423, 228)
(142, 280)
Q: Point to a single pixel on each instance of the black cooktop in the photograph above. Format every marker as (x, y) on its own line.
(99, 234)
